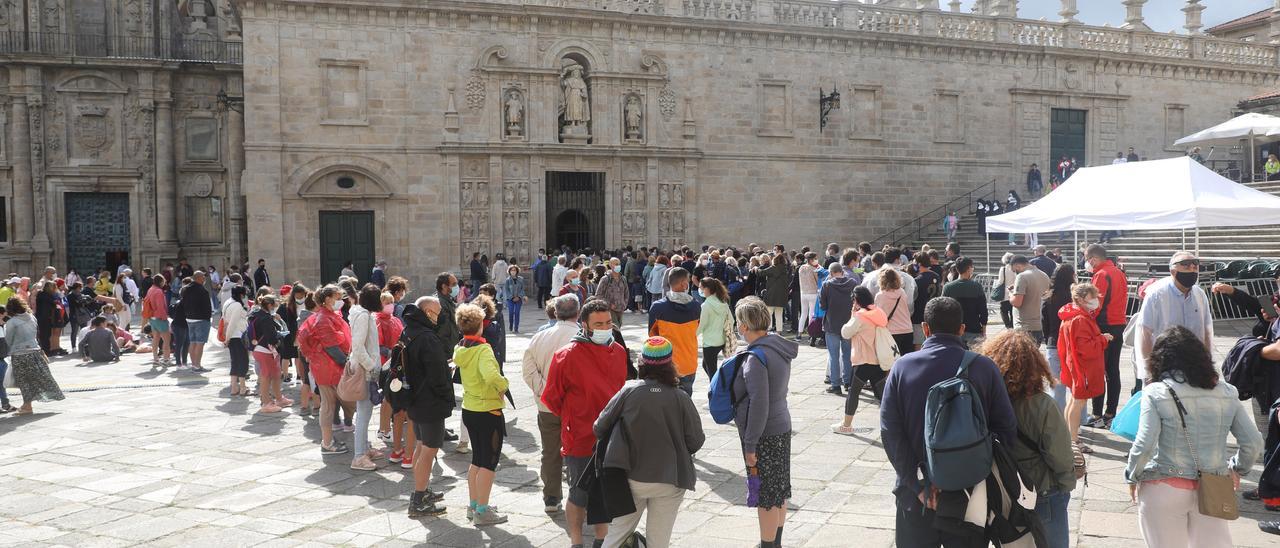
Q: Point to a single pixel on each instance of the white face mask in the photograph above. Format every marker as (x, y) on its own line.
(336, 306)
(601, 337)
(1091, 305)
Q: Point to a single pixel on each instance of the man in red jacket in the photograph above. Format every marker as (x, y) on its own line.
(1113, 293)
(582, 378)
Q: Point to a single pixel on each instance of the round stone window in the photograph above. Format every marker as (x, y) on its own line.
(346, 182)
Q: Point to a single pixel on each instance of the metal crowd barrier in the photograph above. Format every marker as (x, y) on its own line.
(1221, 306)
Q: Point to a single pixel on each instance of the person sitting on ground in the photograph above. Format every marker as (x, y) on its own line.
(99, 344)
(123, 339)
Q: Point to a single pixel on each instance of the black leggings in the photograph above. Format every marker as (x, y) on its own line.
(1006, 314)
(710, 364)
(863, 375)
(486, 431)
(906, 343)
(1112, 397)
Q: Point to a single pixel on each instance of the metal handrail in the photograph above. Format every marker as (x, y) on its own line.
(967, 199)
(121, 47)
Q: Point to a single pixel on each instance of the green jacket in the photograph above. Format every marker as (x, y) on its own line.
(1048, 464)
(482, 383)
(715, 314)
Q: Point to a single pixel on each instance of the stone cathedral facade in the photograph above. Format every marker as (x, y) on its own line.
(115, 146)
(420, 132)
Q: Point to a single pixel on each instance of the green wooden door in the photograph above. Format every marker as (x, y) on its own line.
(97, 230)
(346, 236)
(1067, 136)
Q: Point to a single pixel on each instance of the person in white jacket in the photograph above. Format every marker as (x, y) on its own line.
(534, 365)
(367, 359)
(235, 318)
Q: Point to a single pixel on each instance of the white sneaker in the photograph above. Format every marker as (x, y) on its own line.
(463, 448)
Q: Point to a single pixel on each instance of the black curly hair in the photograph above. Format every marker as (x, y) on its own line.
(1181, 356)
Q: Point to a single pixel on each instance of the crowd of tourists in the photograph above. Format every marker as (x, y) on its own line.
(618, 425)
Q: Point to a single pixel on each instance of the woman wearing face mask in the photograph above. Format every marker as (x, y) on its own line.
(265, 345)
(298, 307)
(366, 360)
(573, 286)
(1081, 350)
(715, 325)
(325, 340)
(235, 319)
(288, 347)
(612, 288)
(513, 290)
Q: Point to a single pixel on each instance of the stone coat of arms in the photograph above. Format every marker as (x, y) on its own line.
(94, 130)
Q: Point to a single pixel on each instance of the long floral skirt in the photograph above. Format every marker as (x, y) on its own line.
(31, 375)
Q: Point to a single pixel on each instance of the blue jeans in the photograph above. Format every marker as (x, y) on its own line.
(686, 383)
(1052, 509)
(513, 307)
(4, 396)
(1055, 368)
(364, 411)
(839, 360)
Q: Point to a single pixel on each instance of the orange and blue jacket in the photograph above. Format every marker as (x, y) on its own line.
(678, 322)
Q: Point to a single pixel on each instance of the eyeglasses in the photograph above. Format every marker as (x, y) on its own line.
(1188, 262)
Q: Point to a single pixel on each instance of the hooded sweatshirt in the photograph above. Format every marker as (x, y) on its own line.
(677, 320)
(861, 331)
(482, 382)
(1081, 351)
(762, 409)
(583, 377)
(836, 297)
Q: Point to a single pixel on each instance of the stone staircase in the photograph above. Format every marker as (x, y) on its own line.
(1135, 248)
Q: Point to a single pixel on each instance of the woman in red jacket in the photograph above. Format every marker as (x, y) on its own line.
(325, 340)
(1081, 350)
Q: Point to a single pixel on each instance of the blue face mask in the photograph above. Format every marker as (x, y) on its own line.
(453, 292)
(617, 268)
(574, 281)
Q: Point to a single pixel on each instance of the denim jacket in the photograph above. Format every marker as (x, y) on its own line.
(1160, 449)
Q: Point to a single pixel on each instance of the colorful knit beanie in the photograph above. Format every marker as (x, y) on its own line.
(657, 351)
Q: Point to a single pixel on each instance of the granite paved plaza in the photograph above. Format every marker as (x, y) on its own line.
(141, 456)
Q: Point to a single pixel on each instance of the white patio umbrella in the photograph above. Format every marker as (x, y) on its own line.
(1251, 126)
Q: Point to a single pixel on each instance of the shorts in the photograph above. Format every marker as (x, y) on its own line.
(159, 326)
(486, 431)
(197, 331)
(917, 333)
(430, 433)
(576, 466)
(268, 365)
(304, 372)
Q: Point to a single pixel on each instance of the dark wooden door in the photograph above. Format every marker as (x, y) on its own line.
(346, 236)
(97, 230)
(1067, 136)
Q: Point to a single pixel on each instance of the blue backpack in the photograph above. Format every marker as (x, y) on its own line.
(956, 439)
(720, 399)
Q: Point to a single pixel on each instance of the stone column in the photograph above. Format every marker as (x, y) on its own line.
(1193, 9)
(168, 203)
(20, 157)
(235, 198)
(1275, 23)
(1069, 11)
(1133, 15)
(39, 209)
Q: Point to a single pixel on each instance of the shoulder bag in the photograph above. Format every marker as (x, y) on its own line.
(1215, 493)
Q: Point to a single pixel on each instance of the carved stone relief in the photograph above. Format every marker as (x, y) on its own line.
(201, 185)
(667, 103)
(139, 146)
(475, 92)
(51, 15)
(6, 14)
(56, 123)
(94, 131)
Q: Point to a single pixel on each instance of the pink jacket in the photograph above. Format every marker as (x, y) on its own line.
(900, 319)
(861, 332)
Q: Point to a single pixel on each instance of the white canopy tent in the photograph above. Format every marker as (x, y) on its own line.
(1178, 193)
(1251, 126)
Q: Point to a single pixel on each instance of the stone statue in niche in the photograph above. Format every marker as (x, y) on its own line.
(639, 224)
(482, 194)
(626, 195)
(468, 225)
(626, 223)
(482, 224)
(513, 109)
(677, 195)
(632, 113)
(509, 223)
(508, 194)
(524, 223)
(664, 196)
(466, 195)
(575, 103)
(523, 194)
(677, 222)
(639, 194)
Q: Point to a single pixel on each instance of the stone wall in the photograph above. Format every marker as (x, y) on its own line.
(415, 101)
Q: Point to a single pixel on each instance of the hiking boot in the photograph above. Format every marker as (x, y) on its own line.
(422, 507)
(471, 512)
(488, 517)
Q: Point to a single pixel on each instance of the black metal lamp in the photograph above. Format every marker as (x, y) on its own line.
(827, 103)
(227, 102)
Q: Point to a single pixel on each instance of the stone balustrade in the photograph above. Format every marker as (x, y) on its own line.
(856, 16)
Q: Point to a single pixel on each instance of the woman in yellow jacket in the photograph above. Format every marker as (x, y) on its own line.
(482, 389)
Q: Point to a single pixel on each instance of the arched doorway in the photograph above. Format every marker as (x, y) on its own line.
(573, 229)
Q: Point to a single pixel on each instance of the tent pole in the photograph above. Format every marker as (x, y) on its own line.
(1184, 238)
(1197, 241)
(1253, 158)
(1075, 238)
(988, 239)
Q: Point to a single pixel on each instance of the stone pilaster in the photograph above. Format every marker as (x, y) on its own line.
(235, 196)
(39, 208)
(20, 158)
(167, 199)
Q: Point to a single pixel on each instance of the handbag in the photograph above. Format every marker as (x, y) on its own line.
(352, 385)
(997, 290)
(222, 330)
(1215, 493)
(8, 377)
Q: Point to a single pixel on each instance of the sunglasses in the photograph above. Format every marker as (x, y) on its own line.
(1188, 262)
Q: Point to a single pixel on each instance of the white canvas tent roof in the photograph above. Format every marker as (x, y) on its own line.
(1235, 129)
(1158, 194)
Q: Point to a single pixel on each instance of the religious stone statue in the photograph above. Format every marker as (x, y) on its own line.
(626, 195)
(626, 223)
(577, 111)
(633, 116)
(514, 109)
(482, 194)
(664, 197)
(639, 222)
(677, 195)
(466, 194)
(468, 225)
(523, 191)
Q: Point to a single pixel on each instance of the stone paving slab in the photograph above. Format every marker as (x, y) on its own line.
(144, 456)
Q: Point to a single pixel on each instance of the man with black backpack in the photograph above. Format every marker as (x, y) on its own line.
(903, 418)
